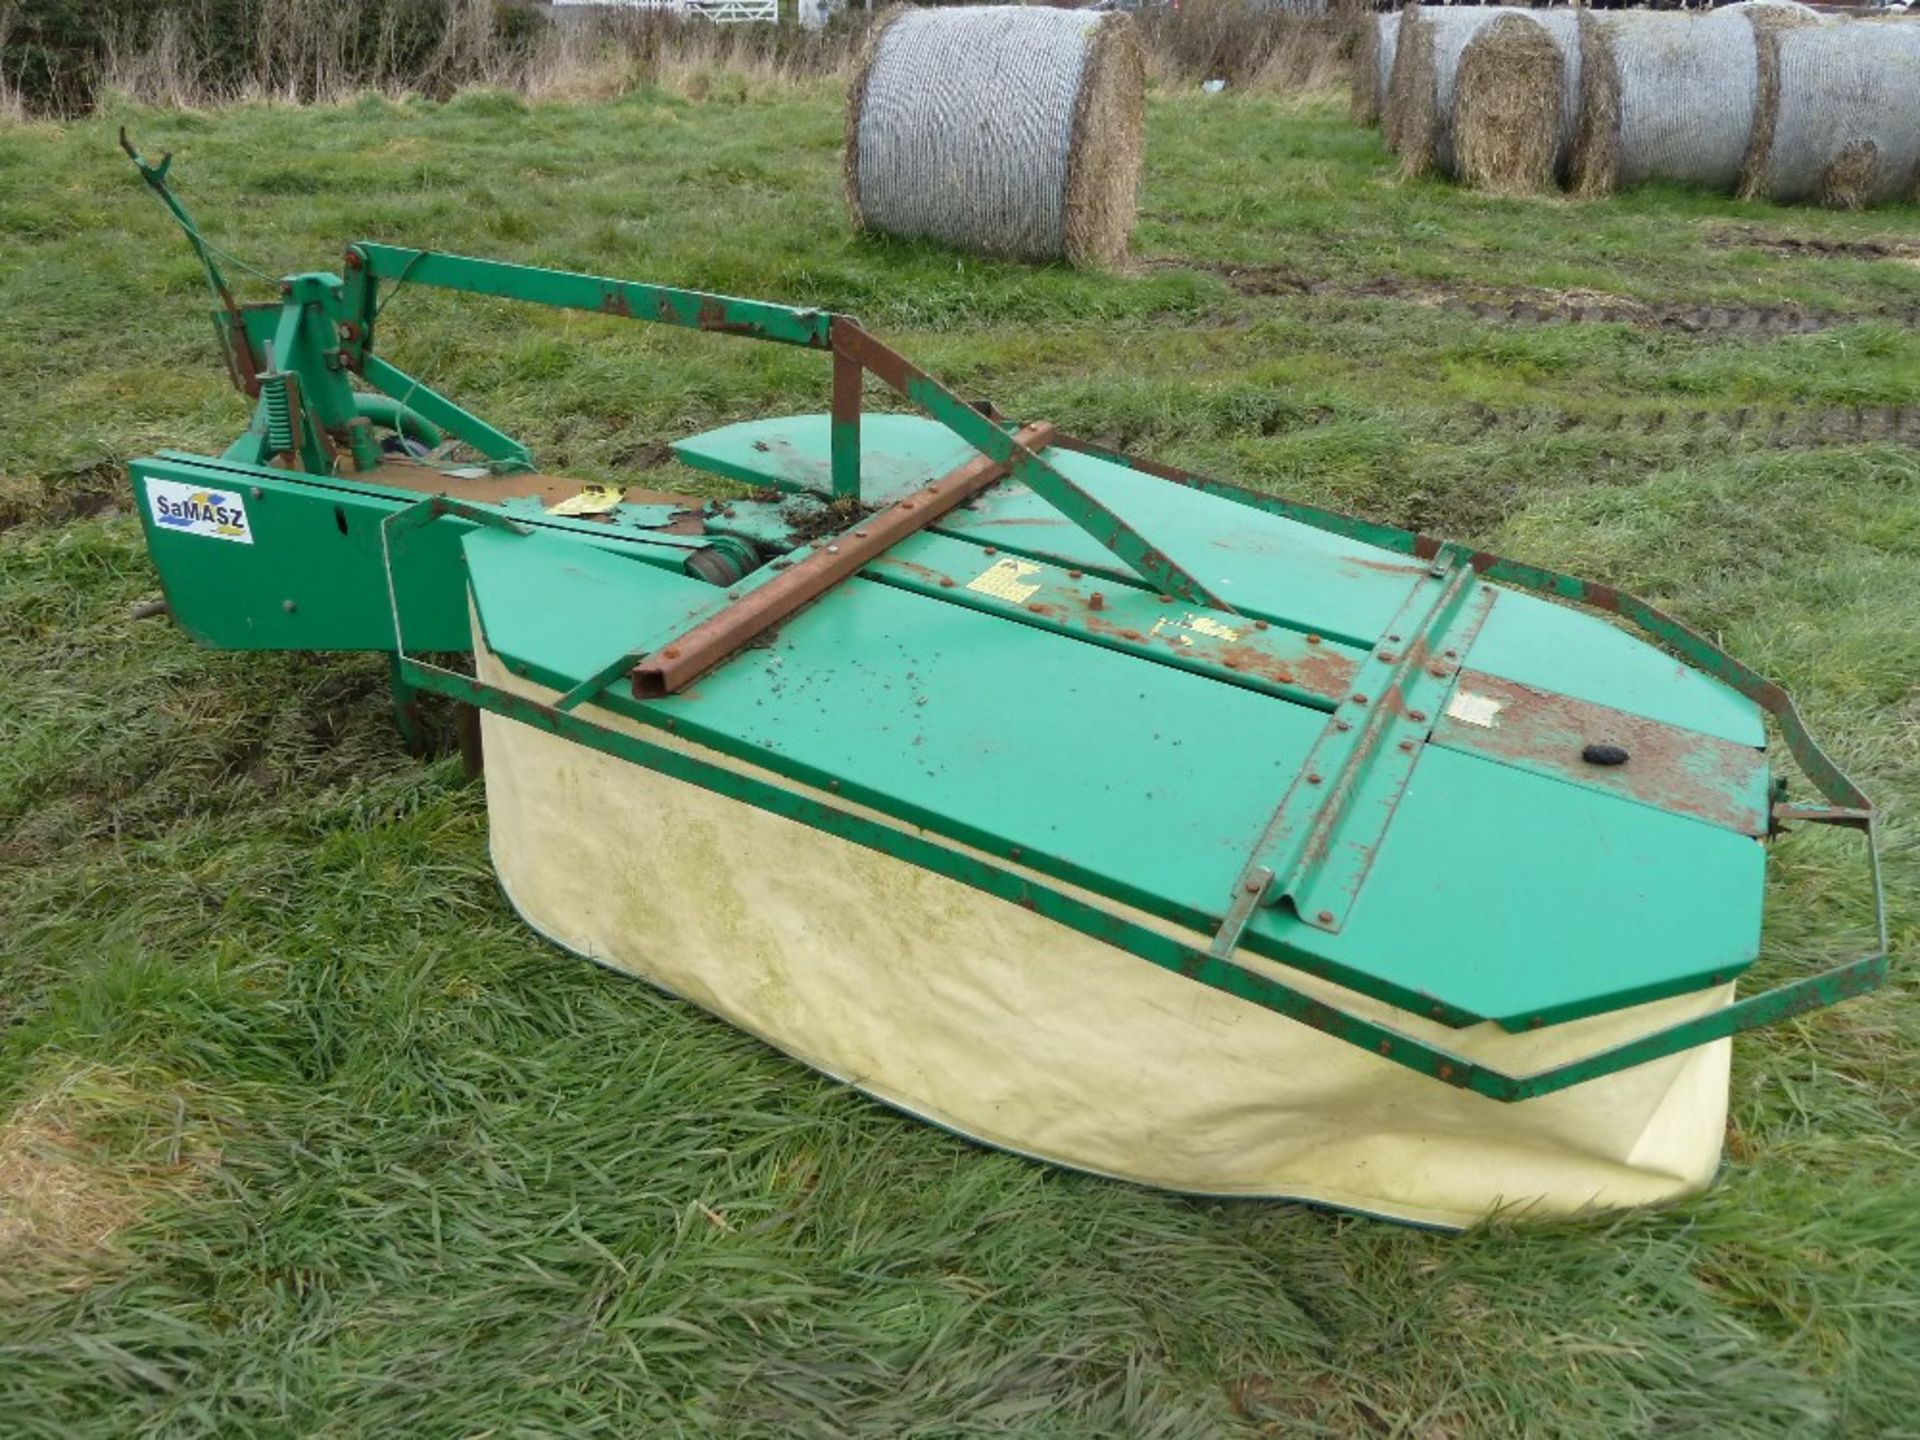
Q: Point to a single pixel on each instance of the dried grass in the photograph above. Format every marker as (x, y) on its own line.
(312, 51)
(1374, 42)
(1508, 99)
(80, 1160)
(1108, 146)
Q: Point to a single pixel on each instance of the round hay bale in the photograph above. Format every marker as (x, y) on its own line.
(1007, 130)
(1516, 102)
(1419, 115)
(1373, 67)
(1846, 124)
(1671, 96)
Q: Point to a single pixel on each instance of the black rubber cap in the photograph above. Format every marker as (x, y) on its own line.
(1604, 755)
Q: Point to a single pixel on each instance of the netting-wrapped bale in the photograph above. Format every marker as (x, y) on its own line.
(1419, 114)
(1373, 67)
(1008, 130)
(1516, 102)
(1846, 130)
(1668, 96)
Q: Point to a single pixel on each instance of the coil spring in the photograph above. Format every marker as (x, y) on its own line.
(273, 390)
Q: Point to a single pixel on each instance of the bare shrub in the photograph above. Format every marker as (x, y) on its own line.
(195, 53)
(1249, 47)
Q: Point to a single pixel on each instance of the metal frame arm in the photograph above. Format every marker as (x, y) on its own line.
(855, 353)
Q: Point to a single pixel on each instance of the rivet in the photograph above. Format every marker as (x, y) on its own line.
(1283, 677)
(1393, 639)
(946, 582)
(1014, 852)
(1718, 978)
(833, 549)
(258, 492)
(288, 606)
(1313, 777)
(1073, 574)
(1325, 917)
(1386, 1047)
(673, 724)
(1252, 887)
(989, 551)
(1259, 624)
(1232, 663)
(834, 785)
(1389, 656)
(1096, 601)
(1417, 716)
(906, 504)
(1358, 699)
(1535, 1023)
(1343, 725)
(672, 652)
(1436, 1011)
(1407, 746)
(1038, 609)
(1165, 599)
(1446, 1071)
(1313, 639)
(1438, 671)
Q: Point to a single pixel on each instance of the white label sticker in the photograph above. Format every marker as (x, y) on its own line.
(1198, 625)
(1006, 580)
(1474, 709)
(198, 510)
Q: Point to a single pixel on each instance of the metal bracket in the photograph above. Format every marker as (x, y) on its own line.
(1319, 845)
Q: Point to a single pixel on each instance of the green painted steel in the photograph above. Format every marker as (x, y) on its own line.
(311, 575)
(507, 453)
(1271, 659)
(691, 309)
(1088, 678)
(1147, 943)
(1318, 847)
(1151, 785)
(898, 454)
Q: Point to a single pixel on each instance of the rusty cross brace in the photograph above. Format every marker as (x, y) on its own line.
(1003, 454)
(681, 661)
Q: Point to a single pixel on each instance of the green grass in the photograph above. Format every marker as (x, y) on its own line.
(384, 1163)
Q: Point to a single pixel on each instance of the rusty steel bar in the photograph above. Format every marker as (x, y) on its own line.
(681, 661)
(1135, 550)
(844, 423)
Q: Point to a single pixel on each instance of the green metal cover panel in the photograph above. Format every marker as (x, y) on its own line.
(1282, 570)
(309, 574)
(1496, 892)
(898, 454)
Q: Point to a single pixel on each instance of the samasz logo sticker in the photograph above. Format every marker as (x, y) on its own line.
(198, 510)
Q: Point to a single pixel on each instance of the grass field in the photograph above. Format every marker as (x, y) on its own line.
(302, 1133)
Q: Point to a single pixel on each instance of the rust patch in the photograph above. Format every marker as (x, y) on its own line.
(1679, 771)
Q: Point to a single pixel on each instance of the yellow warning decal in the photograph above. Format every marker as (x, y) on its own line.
(594, 500)
(1006, 580)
